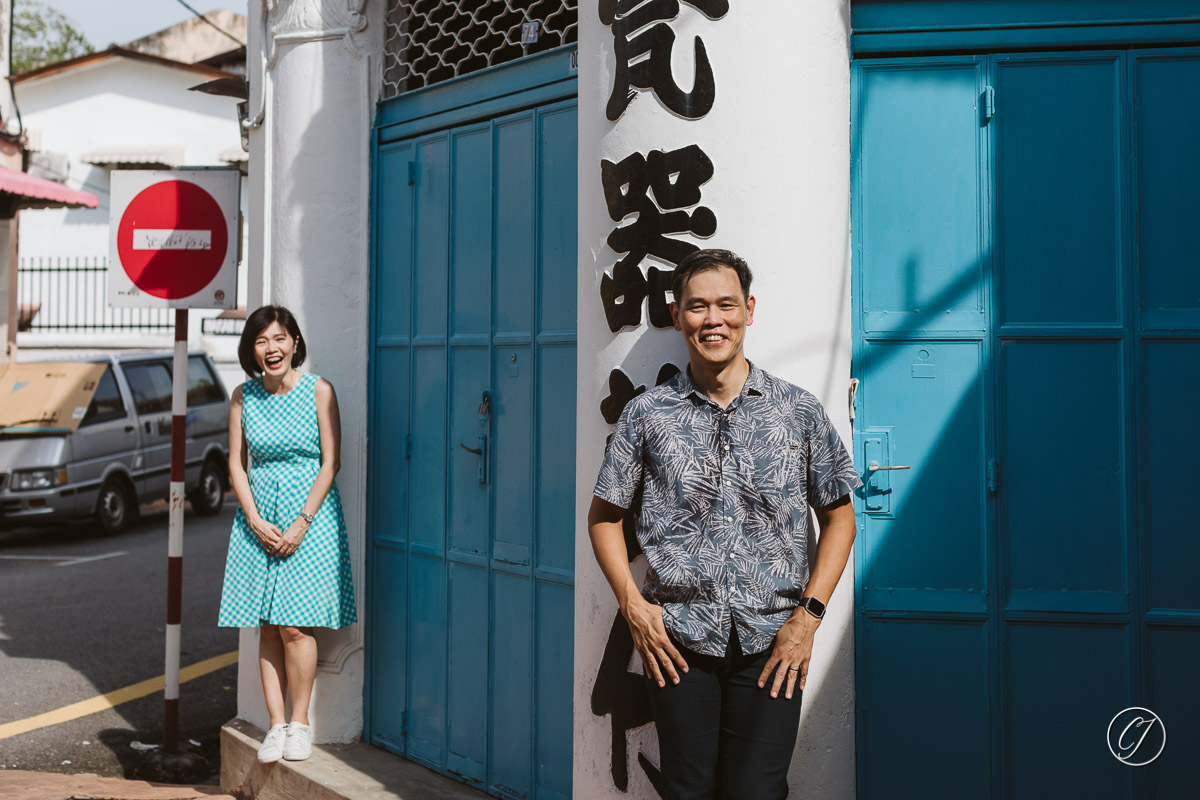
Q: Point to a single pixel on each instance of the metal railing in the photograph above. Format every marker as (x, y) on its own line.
(70, 295)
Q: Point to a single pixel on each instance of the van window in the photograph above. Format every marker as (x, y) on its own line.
(151, 386)
(106, 402)
(203, 386)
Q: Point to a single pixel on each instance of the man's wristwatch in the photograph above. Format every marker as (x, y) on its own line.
(813, 606)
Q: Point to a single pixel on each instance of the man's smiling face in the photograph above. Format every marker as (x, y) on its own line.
(713, 315)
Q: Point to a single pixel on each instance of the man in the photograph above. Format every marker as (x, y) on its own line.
(727, 460)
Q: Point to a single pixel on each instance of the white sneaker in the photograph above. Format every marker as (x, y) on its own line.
(272, 746)
(299, 742)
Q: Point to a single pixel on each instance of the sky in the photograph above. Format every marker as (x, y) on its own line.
(106, 22)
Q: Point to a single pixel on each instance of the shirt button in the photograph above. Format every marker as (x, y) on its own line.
(726, 447)
(729, 520)
(731, 556)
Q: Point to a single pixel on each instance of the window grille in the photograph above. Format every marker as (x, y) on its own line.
(429, 41)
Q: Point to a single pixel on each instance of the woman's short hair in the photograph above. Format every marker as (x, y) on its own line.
(702, 260)
(258, 322)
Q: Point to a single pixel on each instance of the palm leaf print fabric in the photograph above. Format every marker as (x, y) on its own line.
(312, 586)
(725, 497)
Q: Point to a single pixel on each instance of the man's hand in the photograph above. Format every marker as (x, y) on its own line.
(650, 638)
(791, 654)
(290, 541)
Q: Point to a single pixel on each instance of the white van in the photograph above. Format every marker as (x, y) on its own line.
(120, 455)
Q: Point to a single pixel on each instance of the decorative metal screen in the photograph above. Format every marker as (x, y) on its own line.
(429, 41)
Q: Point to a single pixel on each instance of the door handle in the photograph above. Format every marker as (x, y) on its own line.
(874, 467)
(478, 452)
(129, 428)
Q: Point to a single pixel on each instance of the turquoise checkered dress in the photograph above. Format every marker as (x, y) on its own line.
(312, 586)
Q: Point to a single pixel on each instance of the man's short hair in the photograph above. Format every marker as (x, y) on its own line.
(258, 322)
(703, 260)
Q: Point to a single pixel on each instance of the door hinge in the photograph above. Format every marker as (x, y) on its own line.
(989, 105)
(408, 446)
(993, 476)
(412, 172)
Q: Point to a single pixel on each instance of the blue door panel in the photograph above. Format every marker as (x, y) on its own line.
(1058, 173)
(919, 230)
(1062, 475)
(427, 666)
(431, 240)
(1174, 658)
(1166, 117)
(468, 706)
(390, 423)
(553, 729)
(471, 236)
(393, 241)
(513, 413)
(427, 518)
(909, 728)
(936, 506)
(473, 451)
(1171, 438)
(512, 683)
(556, 414)
(515, 231)
(557, 218)
(1064, 683)
(469, 506)
(390, 698)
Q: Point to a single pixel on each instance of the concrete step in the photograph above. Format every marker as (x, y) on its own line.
(21, 785)
(333, 772)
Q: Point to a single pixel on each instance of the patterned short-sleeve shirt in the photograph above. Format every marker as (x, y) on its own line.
(725, 497)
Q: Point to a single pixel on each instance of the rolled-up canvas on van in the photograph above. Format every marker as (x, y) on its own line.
(46, 397)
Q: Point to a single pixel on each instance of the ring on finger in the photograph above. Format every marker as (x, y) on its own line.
(793, 669)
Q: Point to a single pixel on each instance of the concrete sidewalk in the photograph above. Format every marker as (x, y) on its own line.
(21, 785)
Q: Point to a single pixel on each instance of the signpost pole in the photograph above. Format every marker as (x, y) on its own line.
(175, 533)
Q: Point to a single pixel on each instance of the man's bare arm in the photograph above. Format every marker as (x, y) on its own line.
(793, 644)
(645, 619)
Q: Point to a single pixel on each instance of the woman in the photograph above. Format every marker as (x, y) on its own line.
(288, 568)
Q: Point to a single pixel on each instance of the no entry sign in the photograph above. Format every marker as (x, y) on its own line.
(173, 238)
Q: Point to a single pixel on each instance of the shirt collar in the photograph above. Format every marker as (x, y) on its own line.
(753, 386)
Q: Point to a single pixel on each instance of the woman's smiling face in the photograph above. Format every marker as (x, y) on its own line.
(273, 350)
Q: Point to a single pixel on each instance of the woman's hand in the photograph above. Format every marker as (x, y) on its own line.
(289, 542)
(268, 535)
(659, 655)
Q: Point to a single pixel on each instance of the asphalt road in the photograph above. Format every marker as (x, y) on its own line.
(73, 626)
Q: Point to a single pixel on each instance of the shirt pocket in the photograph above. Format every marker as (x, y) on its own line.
(777, 467)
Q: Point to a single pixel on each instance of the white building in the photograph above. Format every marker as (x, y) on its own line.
(974, 215)
(115, 109)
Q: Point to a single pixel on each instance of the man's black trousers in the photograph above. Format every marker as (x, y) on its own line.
(720, 736)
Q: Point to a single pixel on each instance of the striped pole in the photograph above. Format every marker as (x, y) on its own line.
(175, 534)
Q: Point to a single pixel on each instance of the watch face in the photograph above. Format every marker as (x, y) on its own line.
(814, 606)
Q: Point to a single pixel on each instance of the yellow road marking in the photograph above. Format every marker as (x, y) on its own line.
(115, 698)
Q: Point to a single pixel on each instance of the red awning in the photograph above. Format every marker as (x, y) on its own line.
(42, 193)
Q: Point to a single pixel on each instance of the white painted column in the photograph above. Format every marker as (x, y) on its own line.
(778, 137)
(316, 80)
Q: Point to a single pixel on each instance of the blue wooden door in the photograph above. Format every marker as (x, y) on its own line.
(1026, 309)
(472, 450)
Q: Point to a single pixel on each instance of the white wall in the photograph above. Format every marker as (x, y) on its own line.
(778, 136)
(309, 187)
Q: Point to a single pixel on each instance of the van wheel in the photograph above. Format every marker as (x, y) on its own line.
(209, 495)
(115, 507)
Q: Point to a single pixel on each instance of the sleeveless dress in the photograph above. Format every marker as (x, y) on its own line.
(312, 586)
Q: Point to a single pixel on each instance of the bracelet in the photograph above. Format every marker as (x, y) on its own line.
(308, 518)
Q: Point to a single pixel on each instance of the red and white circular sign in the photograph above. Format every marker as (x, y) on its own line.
(172, 239)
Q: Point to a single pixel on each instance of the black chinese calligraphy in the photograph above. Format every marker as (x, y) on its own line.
(674, 179)
(643, 41)
(619, 693)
